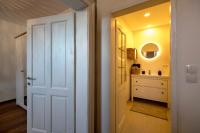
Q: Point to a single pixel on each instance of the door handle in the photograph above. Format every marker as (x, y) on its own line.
(29, 78)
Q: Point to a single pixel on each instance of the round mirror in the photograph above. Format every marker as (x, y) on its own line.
(150, 50)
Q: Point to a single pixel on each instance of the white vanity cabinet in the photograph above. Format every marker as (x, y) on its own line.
(150, 87)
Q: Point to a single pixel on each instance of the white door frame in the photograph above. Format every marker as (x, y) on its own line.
(108, 87)
(85, 64)
(85, 55)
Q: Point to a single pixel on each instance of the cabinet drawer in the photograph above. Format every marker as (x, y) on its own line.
(150, 93)
(150, 82)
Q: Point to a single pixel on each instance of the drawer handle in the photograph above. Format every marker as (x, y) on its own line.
(162, 92)
(162, 83)
(136, 89)
(136, 81)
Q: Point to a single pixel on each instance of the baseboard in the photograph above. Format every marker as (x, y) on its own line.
(22, 106)
(8, 101)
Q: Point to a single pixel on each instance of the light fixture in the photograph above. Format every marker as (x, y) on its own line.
(147, 14)
(149, 26)
(149, 32)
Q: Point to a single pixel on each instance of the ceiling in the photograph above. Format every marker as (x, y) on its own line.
(159, 15)
(18, 11)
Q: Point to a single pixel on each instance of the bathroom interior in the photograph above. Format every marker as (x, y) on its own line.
(143, 65)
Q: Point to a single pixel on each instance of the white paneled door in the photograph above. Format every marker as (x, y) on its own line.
(121, 78)
(50, 74)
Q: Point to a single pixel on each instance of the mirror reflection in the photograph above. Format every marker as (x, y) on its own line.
(150, 50)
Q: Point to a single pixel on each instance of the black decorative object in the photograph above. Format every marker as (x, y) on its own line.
(143, 72)
(136, 65)
(159, 73)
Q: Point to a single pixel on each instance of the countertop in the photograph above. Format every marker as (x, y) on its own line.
(150, 76)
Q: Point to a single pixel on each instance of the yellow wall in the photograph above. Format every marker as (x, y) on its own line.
(160, 36)
(129, 34)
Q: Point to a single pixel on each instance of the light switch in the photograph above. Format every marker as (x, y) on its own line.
(191, 73)
(192, 69)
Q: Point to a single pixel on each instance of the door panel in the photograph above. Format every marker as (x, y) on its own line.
(62, 88)
(37, 69)
(58, 54)
(51, 71)
(38, 105)
(38, 55)
(59, 117)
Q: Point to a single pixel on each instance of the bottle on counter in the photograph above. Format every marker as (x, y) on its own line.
(149, 72)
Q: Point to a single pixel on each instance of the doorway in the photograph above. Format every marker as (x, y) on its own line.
(143, 69)
(20, 52)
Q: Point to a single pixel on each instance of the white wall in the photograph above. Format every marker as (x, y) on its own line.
(188, 35)
(188, 52)
(7, 59)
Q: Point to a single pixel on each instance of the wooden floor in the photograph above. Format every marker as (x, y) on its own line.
(12, 118)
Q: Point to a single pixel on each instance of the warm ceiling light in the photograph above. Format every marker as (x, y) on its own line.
(149, 25)
(149, 32)
(147, 14)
